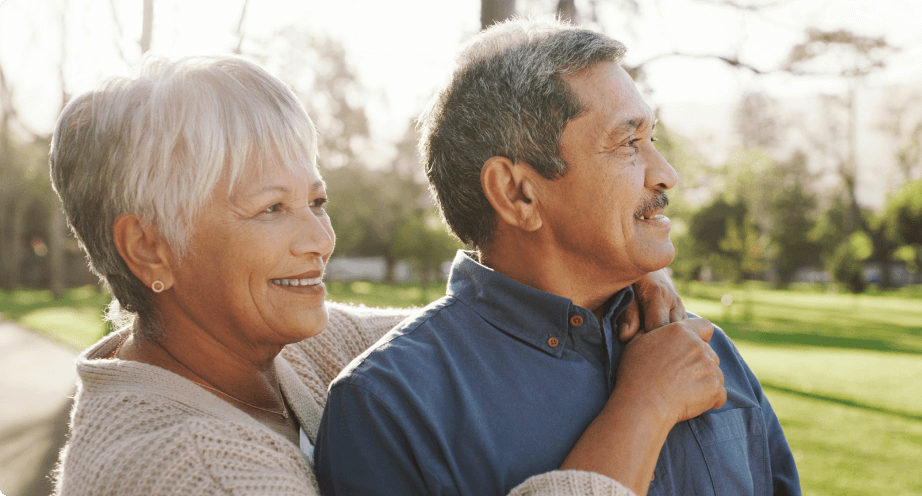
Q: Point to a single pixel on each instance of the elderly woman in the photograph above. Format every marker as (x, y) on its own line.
(193, 190)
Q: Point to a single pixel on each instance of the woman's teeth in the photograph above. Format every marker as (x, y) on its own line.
(297, 282)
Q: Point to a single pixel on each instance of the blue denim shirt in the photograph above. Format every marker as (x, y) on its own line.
(496, 382)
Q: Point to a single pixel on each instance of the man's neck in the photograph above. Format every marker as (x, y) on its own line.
(547, 269)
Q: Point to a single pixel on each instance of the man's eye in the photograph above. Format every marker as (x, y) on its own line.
(318, 205)
(273, 208)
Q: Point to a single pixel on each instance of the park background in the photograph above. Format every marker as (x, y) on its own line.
(795, 126)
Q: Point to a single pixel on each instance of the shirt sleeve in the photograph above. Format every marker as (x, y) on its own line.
(362, 450)
(785, 480)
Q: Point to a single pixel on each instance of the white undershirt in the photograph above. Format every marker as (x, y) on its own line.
(306, 446)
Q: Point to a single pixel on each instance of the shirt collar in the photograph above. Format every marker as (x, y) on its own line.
(520, 310)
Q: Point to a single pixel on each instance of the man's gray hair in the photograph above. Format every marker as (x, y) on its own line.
(506, 97)
(158, 145)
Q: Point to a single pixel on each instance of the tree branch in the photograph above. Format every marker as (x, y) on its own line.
(739, 6)
(243, 14)
(731, 61)
(121, 33)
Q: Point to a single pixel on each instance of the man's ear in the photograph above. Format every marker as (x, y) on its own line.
(143, 249)
(509, 188)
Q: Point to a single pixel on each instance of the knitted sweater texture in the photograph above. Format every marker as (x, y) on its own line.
(137, 429)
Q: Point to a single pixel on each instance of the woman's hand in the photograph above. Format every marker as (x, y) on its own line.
(656, 303)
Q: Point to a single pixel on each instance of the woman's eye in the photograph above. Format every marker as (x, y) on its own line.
(273, 208)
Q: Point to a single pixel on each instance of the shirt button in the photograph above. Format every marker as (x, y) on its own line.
(576, 321)
(553, 342)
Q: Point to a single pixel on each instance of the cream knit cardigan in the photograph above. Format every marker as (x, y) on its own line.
(137, 429)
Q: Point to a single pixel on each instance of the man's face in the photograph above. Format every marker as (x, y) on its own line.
(606, 212)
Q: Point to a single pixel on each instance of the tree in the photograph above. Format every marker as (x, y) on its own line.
(902, 223)
(317, 70)
(903, 123)
(902, 220)
(855, 57)
(425, 244)
(758, 122)
(903, 214)
(792, 212)
(388, 213)
(725, 236)
(493, 11)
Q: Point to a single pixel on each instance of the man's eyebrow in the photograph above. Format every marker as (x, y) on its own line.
(627, 126)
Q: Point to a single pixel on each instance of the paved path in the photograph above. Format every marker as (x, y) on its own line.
(36, 384)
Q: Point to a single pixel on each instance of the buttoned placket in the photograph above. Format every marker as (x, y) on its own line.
(586, 336)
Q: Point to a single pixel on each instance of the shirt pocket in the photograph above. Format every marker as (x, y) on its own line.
(735, 451)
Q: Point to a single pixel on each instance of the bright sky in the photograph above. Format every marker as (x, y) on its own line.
(402, 49)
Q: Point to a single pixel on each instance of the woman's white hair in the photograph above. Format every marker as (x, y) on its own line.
(158, 145)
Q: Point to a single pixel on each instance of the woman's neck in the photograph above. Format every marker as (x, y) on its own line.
(251, 386)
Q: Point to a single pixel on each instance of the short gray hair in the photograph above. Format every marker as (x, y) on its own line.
(506, 97)
(157, 145)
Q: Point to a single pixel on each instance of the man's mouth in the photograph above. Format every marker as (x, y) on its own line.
(653, 208)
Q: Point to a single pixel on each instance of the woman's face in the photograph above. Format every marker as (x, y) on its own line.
(253, 274)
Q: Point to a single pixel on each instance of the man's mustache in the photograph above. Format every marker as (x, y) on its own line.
(658, 200)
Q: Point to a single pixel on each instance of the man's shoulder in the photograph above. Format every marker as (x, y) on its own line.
(412, 344)
(721, 342)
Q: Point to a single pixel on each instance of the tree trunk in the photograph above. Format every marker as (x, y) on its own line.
(493, 11)
(56, 253)
(243, 13)
(17, 227)
(390, 266)
(147, 26)
(849, 168)
(6, 242)
(566, 10)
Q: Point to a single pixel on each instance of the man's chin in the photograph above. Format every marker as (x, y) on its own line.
(659, 259)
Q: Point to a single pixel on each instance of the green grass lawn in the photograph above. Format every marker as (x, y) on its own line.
(75, 320)
(843, 372)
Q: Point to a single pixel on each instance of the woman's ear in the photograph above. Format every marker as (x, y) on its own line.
(143, 249)
(509, 188)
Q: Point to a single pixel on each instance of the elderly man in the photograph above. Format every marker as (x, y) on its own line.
(540, 152)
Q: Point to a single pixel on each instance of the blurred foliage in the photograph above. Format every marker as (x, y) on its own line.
(316, 69)
(792, 214)
(848, 53)
(757, 215)
(389, 213)
(757, 119)
(845, 265)
(903, 215)
(425, 245)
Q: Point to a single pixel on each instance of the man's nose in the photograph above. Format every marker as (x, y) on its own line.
(659, 174)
